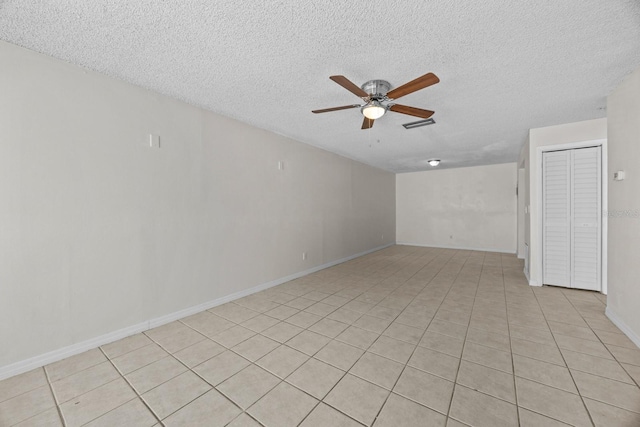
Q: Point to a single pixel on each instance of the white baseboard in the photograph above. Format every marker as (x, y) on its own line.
(71, 350)
(622, 325)
(503, 251)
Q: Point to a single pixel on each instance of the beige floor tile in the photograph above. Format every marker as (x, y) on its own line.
(372, 324)
(329, 328)
(282, 361)
(345, 316)
(447, 328)
(134, 413)
(488, 339)
(48, 418)
(237, 313)
(612, 392)
(392, 348)
(604, 415)
(455, 423)
(439, 364)
(545, 373)
(453, 316)
(386, 313)
(26, 405)
(480, 410)
(617, 339)
(303, 319)
(198, 353)
(14, 386)
(316, 296)
(377, 369)
(282, 312)
(259, 323)
(177, 342)
(221, 367)
(488, 356)
(282, 332)
(607, 368)
(357, 337)
(579, 345)
(554, 403)
(316, 378)
(573, 331)
(544, 353)
(255, 347)
(125, 345)
(532, 419)
(284, 406)
(84, 381)
(335, 300)
(74, 364)
(357, 398)
(487, 380)
(324, 415)
(633, 371)
(442, 343)
(244, 420)
(154, 374)
(136, 359)
(211, 409)
(340, 355)
(301, 303)
(175, 393)
(207, 323)
(320, 309)
(308, 342)
(400, 412)
(404, 333)
(248, 385)
(166, 330)
(96, 403)
(426, 389)
(625, 355)
(233, 336)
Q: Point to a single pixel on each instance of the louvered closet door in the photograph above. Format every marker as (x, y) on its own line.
(586, 233)
(556, 211)
(571, 204)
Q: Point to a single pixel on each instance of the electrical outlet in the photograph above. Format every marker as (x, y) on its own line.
(304, 256)
(154, 141)
(281, 165)
(382, 237)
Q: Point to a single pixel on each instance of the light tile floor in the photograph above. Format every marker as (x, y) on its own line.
(405, 336)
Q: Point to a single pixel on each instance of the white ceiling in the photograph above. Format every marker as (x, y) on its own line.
(505, 66)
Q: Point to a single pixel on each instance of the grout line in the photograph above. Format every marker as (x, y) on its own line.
(565, 362)
(55, 398)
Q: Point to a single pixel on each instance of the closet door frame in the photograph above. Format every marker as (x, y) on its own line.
(604, 202)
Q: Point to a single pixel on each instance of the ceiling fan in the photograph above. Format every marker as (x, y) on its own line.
(378, 99)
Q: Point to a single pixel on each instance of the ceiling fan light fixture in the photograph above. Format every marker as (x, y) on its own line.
(433, 162)
(373, 110)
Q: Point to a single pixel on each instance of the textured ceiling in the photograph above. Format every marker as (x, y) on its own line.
(505, 66)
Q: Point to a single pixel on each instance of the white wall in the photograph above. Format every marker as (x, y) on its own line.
(470, 208)
(99, 231)
(521, 204)
(623, 300)
(589, 130)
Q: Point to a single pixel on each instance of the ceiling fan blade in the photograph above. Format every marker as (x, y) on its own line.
(367, 123)
(344, 107)
(412, 111)
(350, 86)
(414, 85)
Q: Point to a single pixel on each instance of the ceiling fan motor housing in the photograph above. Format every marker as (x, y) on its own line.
(376, 88)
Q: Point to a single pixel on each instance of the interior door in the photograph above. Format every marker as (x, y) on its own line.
(571, 203)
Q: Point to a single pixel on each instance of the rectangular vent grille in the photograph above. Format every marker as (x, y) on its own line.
(419, 123)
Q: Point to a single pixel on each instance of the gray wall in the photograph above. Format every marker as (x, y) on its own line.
(623, 301)
(100, 232)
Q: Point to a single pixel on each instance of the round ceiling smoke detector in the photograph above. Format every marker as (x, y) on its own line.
(433, 162)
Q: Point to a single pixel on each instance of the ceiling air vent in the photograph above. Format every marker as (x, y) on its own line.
(418, 123)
